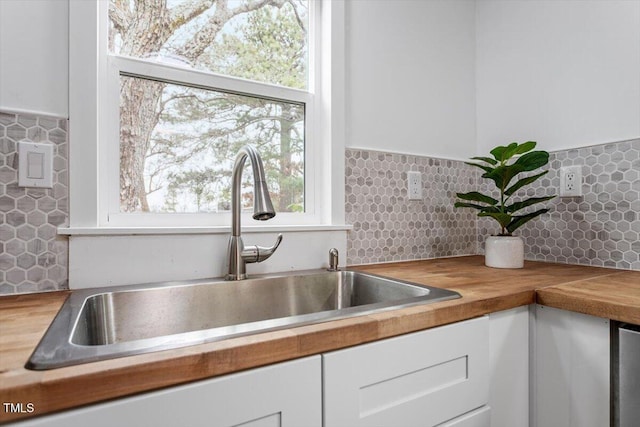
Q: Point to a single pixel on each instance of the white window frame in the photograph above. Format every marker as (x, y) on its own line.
(94, 109)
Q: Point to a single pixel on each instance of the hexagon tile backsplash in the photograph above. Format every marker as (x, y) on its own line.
(33, 258)
(389, 227)
(602, 228)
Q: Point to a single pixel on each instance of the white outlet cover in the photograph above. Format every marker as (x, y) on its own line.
(571, 181)
(35, 165)
(414, 185)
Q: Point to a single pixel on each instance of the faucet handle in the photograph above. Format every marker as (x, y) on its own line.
(257, 253)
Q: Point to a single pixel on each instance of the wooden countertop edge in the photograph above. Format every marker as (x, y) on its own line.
(578, 304)
(567, 300)
(116, 378)
(614, 296)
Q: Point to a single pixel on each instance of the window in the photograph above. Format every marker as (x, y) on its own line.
(195, 81)
(183, 162)
(159, 109)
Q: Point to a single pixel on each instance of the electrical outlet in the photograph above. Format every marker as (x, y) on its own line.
(571, 181)
(414, 185)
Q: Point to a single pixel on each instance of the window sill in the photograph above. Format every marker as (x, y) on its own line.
(134, 231)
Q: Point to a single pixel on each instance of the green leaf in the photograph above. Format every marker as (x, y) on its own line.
(524, 203)
(499, 152)
(502, 153)
(502, 175)
(497, 175)
(502, 218)
(486, 159)
(519, 220)
(521, 183)
(532, 160)
(525, 147)
(511, 151)
(477, 197)
(474, 206)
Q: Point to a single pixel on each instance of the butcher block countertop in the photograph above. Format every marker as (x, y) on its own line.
(608, 293)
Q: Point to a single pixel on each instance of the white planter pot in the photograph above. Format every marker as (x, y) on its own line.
(504, 252)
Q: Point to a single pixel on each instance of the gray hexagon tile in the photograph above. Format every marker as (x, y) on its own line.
(33, 258)
(387, 226)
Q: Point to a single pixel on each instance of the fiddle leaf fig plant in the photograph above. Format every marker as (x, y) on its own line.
(502, 171)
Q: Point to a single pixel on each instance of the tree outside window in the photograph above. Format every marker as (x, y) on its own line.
(178, 142)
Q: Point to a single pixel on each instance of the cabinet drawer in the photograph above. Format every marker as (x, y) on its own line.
(282, 395)
(419, 379)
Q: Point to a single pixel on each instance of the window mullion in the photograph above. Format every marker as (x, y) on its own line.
(182, 76)
(109, 131)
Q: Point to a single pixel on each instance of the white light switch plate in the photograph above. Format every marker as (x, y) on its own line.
(35, 165)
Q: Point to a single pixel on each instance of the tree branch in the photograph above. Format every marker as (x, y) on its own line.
(185, 12)
(300, 21)
(119, 14)
(203, 38)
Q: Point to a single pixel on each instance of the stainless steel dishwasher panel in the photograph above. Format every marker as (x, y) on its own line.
(629, 376)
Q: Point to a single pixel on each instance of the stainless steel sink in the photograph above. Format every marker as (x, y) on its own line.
(98, 324)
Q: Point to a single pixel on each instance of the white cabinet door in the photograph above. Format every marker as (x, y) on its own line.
(478, 418)
(571, 354)
(283, 395)
(509, 367)
(420, 379)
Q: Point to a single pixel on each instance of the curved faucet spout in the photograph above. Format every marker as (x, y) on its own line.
(262, 206)
(262, 210)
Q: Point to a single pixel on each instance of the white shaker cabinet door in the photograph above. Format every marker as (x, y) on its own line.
(420, 379)
(571, 354)
(282, 395)
(509, 372)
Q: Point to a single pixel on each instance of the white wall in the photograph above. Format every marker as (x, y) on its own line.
(34, 53)
(563, 73)
(106, 260)
(411, 77)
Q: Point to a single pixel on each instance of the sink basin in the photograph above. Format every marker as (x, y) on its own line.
(98, 324)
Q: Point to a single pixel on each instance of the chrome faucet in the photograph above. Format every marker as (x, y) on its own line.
(263, 210)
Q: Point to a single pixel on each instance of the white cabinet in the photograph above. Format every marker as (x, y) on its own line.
(509, 367)
(283, 395)
(419, 379)
(475, 373)
(571, 372)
